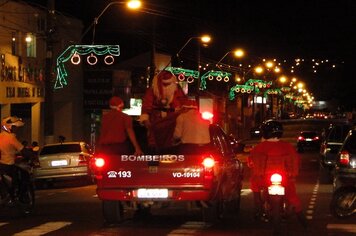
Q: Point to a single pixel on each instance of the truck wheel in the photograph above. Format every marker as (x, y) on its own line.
(113, 211)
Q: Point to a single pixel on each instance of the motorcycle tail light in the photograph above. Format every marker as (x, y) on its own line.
(344, 158)
(276, 178)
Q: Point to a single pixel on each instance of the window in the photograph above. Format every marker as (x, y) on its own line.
(63, 148)
(30, 45)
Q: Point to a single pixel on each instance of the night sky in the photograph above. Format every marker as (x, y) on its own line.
(285, 30)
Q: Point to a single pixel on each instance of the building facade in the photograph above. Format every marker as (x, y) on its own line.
(30, 39)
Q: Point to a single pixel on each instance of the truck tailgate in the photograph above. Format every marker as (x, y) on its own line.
(169, 171)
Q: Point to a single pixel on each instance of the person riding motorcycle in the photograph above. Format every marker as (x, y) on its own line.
(269, 156)
(9, 147)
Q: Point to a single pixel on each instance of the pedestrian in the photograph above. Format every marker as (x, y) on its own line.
(269, 156)
(117, 130)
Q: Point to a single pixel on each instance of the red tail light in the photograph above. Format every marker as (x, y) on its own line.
(344, 158)
(207, 115)
(99, 162)
(316, 138)
(208, 162)
(301, 138)
(276, 179)
(82, 161)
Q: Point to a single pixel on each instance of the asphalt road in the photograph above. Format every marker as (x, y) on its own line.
(73, 209)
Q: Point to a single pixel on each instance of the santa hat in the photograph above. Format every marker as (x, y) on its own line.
(116, 103)
(164, 78)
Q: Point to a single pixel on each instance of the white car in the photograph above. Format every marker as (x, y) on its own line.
(60, 161)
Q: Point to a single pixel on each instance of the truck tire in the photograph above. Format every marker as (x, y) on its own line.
(113, 211)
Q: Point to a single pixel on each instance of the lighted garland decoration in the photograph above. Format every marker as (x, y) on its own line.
(218, 75)
(239, 88)
(285, 89)
(184, 74)
(74, 53)
(272, 92)
(259, 83)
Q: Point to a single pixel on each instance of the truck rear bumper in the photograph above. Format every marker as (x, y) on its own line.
(173, 195)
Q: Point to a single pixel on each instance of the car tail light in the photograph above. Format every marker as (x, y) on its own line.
(82, 161)
(276, 179)
(344, 158)
(316, 138)
(301, 138)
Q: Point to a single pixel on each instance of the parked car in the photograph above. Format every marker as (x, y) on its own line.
(343, 202)
(308, 139)
(60, 161)
(345, 163)
(329, 148)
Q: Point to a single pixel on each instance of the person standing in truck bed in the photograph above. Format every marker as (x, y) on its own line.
(191, 129)
(116, 129)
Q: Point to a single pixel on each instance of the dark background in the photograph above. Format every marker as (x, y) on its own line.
(285, 30)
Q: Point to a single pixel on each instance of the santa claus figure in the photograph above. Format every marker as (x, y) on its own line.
(160, 104)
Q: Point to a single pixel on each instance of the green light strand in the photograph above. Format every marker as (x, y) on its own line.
(238, 88)
(218, 75)
(62, 74)
(272, 91)
(185, 72)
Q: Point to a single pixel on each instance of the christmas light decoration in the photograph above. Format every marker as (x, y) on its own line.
(242, 88)
(184, 74)
(218, 75)
(74, 54)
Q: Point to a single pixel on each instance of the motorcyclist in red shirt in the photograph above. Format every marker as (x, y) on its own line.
(269, 156)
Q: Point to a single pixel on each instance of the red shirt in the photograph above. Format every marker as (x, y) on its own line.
(113, 127)
(270, 156)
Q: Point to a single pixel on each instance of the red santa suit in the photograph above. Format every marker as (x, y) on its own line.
(160, 102)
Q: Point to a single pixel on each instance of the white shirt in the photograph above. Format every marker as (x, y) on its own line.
(192, 128)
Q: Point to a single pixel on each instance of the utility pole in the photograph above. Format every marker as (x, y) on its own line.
(48, 106)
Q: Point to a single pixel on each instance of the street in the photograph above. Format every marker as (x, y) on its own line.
(74, 209)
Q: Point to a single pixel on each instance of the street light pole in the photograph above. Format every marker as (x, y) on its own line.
(131, 4)
(237, 53)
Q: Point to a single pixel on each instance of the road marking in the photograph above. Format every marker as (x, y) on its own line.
(245, 191)
(310, 211)
(3, 223)
(43, 229)
(349, 228)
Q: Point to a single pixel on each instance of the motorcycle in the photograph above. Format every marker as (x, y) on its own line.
(343, 202)
(276, 200)
(24, 200)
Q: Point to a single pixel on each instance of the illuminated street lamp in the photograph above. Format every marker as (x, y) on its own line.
(131, 4)
(205, 39)
(237, 53)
